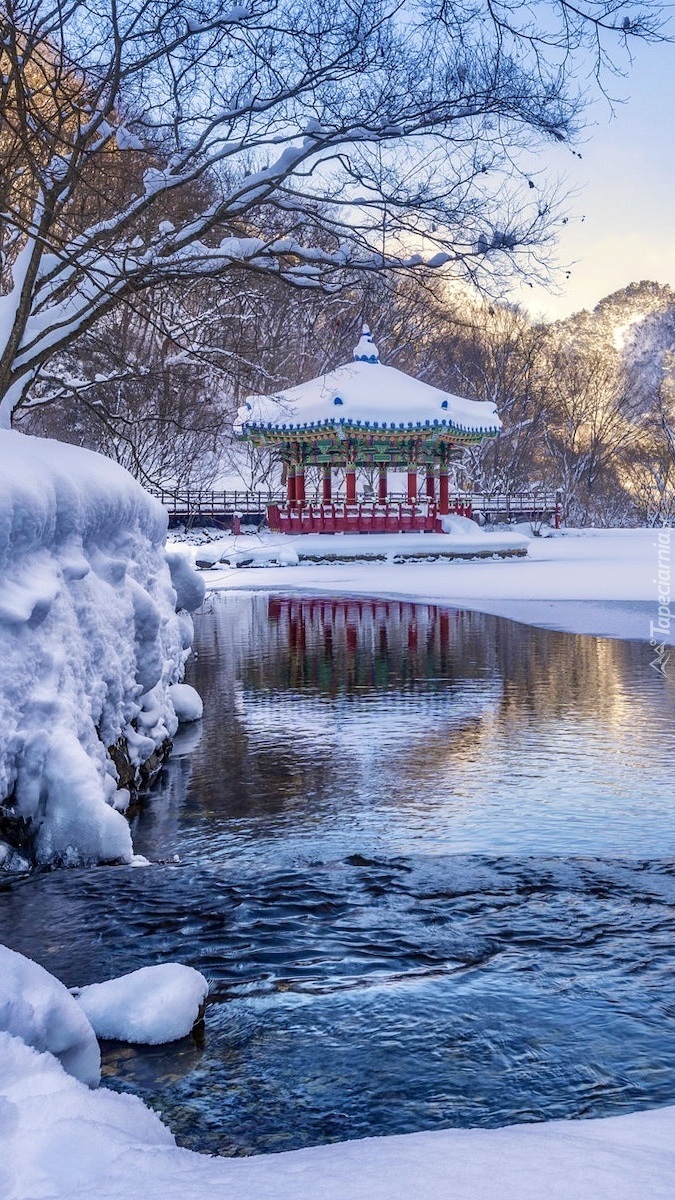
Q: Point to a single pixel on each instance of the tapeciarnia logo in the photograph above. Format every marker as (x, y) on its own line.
(659, 629)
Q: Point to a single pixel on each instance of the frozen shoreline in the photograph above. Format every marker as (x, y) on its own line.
(601, 582)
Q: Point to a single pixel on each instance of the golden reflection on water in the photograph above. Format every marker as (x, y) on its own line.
(325, 704)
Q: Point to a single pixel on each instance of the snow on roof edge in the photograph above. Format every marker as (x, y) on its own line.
(371, 394)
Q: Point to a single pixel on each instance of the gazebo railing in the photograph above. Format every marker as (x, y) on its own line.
(355, 518)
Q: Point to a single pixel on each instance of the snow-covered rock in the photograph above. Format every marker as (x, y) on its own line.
(149, 1006)
(461, 526)
(90, 643)
(37, 1008)
(187, 703)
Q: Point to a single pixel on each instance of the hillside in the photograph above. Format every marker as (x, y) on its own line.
(637, 324)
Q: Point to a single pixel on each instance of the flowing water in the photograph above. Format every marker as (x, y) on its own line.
(427, 861)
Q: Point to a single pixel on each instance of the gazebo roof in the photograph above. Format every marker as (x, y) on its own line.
(365, 394)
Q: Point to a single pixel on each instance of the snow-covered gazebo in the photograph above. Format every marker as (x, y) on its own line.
(364, 415)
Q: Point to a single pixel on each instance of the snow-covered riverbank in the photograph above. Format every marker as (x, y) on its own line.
(90, 646)
(62, 1141)
(603, 582)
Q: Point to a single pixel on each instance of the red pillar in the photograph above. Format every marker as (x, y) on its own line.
(412, 485)
(350, 485)
(443, 491)
(382, 490)
(300, 486)
(431, 484)
(327, 491)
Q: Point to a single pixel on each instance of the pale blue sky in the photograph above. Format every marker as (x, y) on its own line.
(625, 184)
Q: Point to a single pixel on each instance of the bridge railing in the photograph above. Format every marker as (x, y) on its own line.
(198, 501)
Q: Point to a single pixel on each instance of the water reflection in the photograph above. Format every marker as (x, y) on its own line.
(345, 726)
(332, 646)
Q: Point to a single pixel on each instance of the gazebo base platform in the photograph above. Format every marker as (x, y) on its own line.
(358, 518)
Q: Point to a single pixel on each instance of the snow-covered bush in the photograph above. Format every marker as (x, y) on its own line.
(90, 644)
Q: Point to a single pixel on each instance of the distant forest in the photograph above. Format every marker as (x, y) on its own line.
(588, 404)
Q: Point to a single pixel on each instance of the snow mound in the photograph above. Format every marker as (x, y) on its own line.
(37, 1008)
(190, 588)
(187, 704)
(90, 643)
(57, 1136)
(459, 526)
(149, 1006)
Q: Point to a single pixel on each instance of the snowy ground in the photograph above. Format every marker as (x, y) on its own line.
(601, 582)
(62, 1141)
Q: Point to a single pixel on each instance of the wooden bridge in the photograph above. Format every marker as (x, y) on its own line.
(234, 510)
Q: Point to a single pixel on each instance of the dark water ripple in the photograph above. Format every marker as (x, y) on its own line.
(365, 995)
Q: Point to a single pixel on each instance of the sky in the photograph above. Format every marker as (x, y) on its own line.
(624, 187)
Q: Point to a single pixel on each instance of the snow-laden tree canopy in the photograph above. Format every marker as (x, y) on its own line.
(155, 142)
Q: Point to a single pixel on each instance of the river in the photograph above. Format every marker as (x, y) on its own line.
(426, 859)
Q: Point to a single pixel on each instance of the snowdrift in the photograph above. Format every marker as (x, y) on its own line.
(90, 644)
(38, 1009)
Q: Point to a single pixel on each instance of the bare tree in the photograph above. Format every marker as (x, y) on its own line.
(592, 419)
(127, 390)
(156, 385)
(650, 462)
(155, 143)
(501, 358)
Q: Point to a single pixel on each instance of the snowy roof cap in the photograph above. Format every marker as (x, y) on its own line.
(355, 395)
(365, 349)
